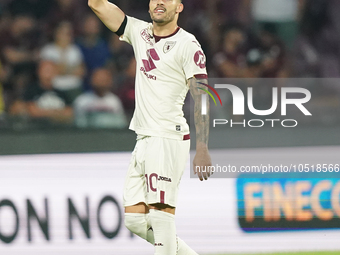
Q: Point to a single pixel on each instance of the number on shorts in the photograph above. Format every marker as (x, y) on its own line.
(149, 182)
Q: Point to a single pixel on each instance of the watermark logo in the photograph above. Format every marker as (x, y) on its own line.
(239, 103)
(204, 97)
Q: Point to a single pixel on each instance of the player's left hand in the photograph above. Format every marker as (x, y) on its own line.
(202, 163)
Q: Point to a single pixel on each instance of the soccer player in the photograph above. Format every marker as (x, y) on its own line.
(170, 61)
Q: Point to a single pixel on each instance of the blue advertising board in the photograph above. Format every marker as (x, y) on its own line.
(269, 204)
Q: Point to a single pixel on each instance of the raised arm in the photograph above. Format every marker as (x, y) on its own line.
(202, 160)
(108, 13)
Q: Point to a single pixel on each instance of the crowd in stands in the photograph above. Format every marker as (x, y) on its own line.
(59, 64)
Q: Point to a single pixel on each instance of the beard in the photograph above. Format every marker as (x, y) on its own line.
(169, 17)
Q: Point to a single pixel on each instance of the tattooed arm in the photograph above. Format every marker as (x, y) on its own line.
(202, 158)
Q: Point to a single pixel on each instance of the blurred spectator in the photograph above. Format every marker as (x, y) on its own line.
(18, 40)
(317, 50)
(126, 89)
(43, 102)
(5, 17)
(72, 11)
(100, 108)
(2, 92)
(222, 13)
(231, 11)
(283, 14)
(69, 60)
(19, 46)
(2, 100)
(334, 18)
(230, 62)
(95, 49)
(274, 53)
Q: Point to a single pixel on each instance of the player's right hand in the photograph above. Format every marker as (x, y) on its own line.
(202, 164)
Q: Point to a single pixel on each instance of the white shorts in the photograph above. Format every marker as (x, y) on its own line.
(155, 171)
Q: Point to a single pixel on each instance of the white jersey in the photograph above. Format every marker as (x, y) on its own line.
(163, 69)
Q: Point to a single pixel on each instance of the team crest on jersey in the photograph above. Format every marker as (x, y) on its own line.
(146, 36)
(168, 46)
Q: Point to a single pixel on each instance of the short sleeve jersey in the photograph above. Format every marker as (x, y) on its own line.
(163, 68)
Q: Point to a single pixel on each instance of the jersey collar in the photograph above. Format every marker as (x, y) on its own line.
(158, 38)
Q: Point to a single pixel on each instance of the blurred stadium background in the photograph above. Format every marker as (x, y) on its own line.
(67, 83)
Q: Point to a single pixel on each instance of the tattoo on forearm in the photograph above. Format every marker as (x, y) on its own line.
(201, 121)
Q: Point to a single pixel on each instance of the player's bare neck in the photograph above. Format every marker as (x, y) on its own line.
(164, 30)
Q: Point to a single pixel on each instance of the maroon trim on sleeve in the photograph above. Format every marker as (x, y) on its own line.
(158, 38)
(201, 76)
